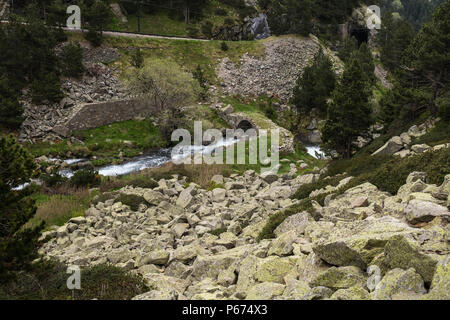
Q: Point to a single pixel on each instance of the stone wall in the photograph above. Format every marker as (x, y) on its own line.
(93, 115)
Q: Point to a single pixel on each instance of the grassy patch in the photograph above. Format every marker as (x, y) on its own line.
(129, 137)
(188, 54)
(438, 135)
(57, 209)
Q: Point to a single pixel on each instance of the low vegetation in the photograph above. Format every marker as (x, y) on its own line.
(47, 281)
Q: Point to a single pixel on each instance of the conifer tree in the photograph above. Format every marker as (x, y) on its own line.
(349, 114)
(18, 245)
(314, 85)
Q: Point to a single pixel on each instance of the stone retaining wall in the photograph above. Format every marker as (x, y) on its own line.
(93, 115)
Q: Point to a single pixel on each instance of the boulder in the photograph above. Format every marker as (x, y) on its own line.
(269, 177)
(153, 197)
(422, 211)
(353, 293)
(401, 253)
(185, 198)
(318, 293)
(218, 194)
(273, 269)
(265, 291)
(420, 148)
(392, 146)
(297, 222)
(359, 242)
(400, 284)
(217, 179)
(283, 244)
(440, 286)
(157, 295)
(337, 278)
(159, 257)
(296, 290)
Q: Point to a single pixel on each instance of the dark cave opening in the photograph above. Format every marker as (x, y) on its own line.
(244, 125)
(360, 34)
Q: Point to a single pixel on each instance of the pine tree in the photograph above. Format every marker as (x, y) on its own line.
(314, 85)
(349, 114)
(18, 245)
(347, 47)
(367, 64)
(10, 108)
(427, 57)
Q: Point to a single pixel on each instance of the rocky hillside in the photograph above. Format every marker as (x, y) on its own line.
(275, 73)
(191, 243)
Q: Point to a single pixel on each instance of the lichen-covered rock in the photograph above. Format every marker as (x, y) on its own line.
(353, 293)
(422, 211)
(273, 269)
(265, 291)
(153, 197)
(399, 283)
(297, 222)
(157, 295)
(296, 290)
(283, 245)
(401, 253)
(318, 293)
(440, 286)
(359, 242)
(340, 278)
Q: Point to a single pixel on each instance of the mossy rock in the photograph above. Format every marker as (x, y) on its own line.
(340, 278)
(273, 269)
(399, 284)
(353, 293)
(400, 253)
(440, 286)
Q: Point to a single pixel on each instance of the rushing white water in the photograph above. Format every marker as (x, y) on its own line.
(315, 152)
(152, 160)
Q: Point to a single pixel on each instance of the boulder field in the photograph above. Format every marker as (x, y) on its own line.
(191, 243)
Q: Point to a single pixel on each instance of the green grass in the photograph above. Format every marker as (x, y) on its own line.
(188, 54)
(158, 23)
(440, 134)
(57, 209)
(106, 142)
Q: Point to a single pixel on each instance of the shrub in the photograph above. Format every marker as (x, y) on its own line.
(137, 60)
(94, 37)
(85, 178)
(224, 46)
(47, 281)
(131, 200)
(192, 31)
(72, 60)
(207, 29)
(51, 180)
(221, 12)
(143, 182)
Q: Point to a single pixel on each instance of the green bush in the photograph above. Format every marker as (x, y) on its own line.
(85, 178)
(94, 37)
(224, 46)
(131, 200)
(72, 60)
(47, 281)
(143, 182)
(51, 180)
